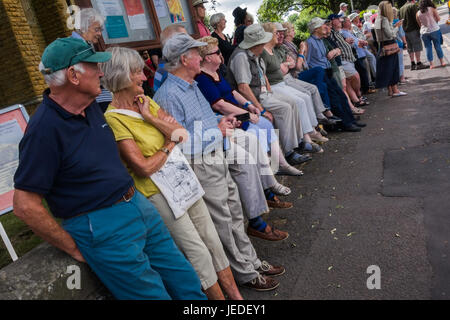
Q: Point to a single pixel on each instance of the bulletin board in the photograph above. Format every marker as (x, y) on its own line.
(125, 21)
(13, 121)
(137, 24)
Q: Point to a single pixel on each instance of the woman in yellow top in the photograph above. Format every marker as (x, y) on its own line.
(144, 144)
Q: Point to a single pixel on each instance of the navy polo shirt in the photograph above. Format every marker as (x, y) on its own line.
(73, 161)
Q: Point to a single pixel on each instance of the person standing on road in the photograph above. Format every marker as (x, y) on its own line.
(343, 9)
(388, 72)
(412, 34)
(427, 19)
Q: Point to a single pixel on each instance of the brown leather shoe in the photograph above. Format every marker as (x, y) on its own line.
(277, 203)
(262, 283)
(270, 233)
(268, 270)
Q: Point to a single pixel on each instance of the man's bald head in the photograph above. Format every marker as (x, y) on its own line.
(170, 30)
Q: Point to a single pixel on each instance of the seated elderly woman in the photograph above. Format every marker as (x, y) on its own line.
(218, 22)
(302, 71)
(303, 101)
(225, 100)
(144, 140)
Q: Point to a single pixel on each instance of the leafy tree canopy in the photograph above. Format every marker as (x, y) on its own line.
(275, 10)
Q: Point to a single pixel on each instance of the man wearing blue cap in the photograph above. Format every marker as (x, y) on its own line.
(68, 157)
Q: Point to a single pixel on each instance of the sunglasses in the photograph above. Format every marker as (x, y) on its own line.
(215, 52)
(81, 52)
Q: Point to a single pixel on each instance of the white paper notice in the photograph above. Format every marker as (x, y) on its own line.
(178, 183)
(161, 8)
(10, 135)
(110, 7)
(138, 21)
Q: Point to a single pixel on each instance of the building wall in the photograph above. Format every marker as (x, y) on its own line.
(28, 26)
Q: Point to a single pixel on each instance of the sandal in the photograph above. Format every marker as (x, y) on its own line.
(289, 171)
(310, 147)
(358, 111)
(280, 190)
(361, 103)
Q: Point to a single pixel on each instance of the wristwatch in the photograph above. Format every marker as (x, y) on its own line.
(165, 150)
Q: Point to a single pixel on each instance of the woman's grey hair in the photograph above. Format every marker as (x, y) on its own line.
(215, 19)
(87, 17)
(117, 70)
(58, 78)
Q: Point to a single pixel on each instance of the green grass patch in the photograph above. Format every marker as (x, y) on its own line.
(20, 235)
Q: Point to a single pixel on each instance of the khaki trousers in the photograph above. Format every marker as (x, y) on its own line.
(286, 119)
(224, 205)
(195, 235)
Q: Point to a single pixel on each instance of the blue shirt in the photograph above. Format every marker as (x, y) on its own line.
(213, 90)
(317, 53)
(71, 160)
(348, 34)
(160, 76)
(186, 103)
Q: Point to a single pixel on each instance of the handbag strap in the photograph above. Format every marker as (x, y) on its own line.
(126, 112)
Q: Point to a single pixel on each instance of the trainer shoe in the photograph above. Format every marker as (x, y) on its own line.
(262, 283)
(421, 66)
(272, 271)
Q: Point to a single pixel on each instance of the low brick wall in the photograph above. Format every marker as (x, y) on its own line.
(41, 274)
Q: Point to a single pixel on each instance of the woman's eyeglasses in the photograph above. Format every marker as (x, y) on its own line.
(215, 52)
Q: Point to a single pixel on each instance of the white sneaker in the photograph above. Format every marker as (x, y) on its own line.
(399, 94)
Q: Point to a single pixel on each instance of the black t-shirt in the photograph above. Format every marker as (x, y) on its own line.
(71, 160)
(225, 47)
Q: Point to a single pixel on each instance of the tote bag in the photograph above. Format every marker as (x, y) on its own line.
(176, 180)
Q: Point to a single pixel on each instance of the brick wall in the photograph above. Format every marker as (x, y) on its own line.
(28, 26)
(17, 54)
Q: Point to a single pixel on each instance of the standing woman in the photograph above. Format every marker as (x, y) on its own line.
(427, 17)
(388, 72)
(240, 16)
(218, 22)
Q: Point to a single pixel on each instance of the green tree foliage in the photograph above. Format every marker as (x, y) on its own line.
(300, 21)
(275, 10)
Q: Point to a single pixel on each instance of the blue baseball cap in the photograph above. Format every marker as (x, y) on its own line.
(334, 16)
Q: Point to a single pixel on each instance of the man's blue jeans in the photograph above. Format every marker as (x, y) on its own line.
(130, 249)
(430, 39)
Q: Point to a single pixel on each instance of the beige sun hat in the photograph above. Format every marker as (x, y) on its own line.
(197, 2)
(353, 16)
(254, 35)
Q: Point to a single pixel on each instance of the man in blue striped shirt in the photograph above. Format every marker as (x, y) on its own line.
(180, 96)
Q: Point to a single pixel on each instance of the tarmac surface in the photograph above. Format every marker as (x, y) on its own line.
(380, 197)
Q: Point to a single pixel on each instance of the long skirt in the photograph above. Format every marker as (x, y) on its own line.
(387, 71)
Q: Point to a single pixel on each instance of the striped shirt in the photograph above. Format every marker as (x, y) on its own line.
(186, 103)
(348, 34)
(346, 48)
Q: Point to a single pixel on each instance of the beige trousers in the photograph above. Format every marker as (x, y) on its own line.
(195, 235)
(224, 205)
(286, 119)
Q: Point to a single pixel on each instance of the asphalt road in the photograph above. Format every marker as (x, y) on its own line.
(380, 197)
